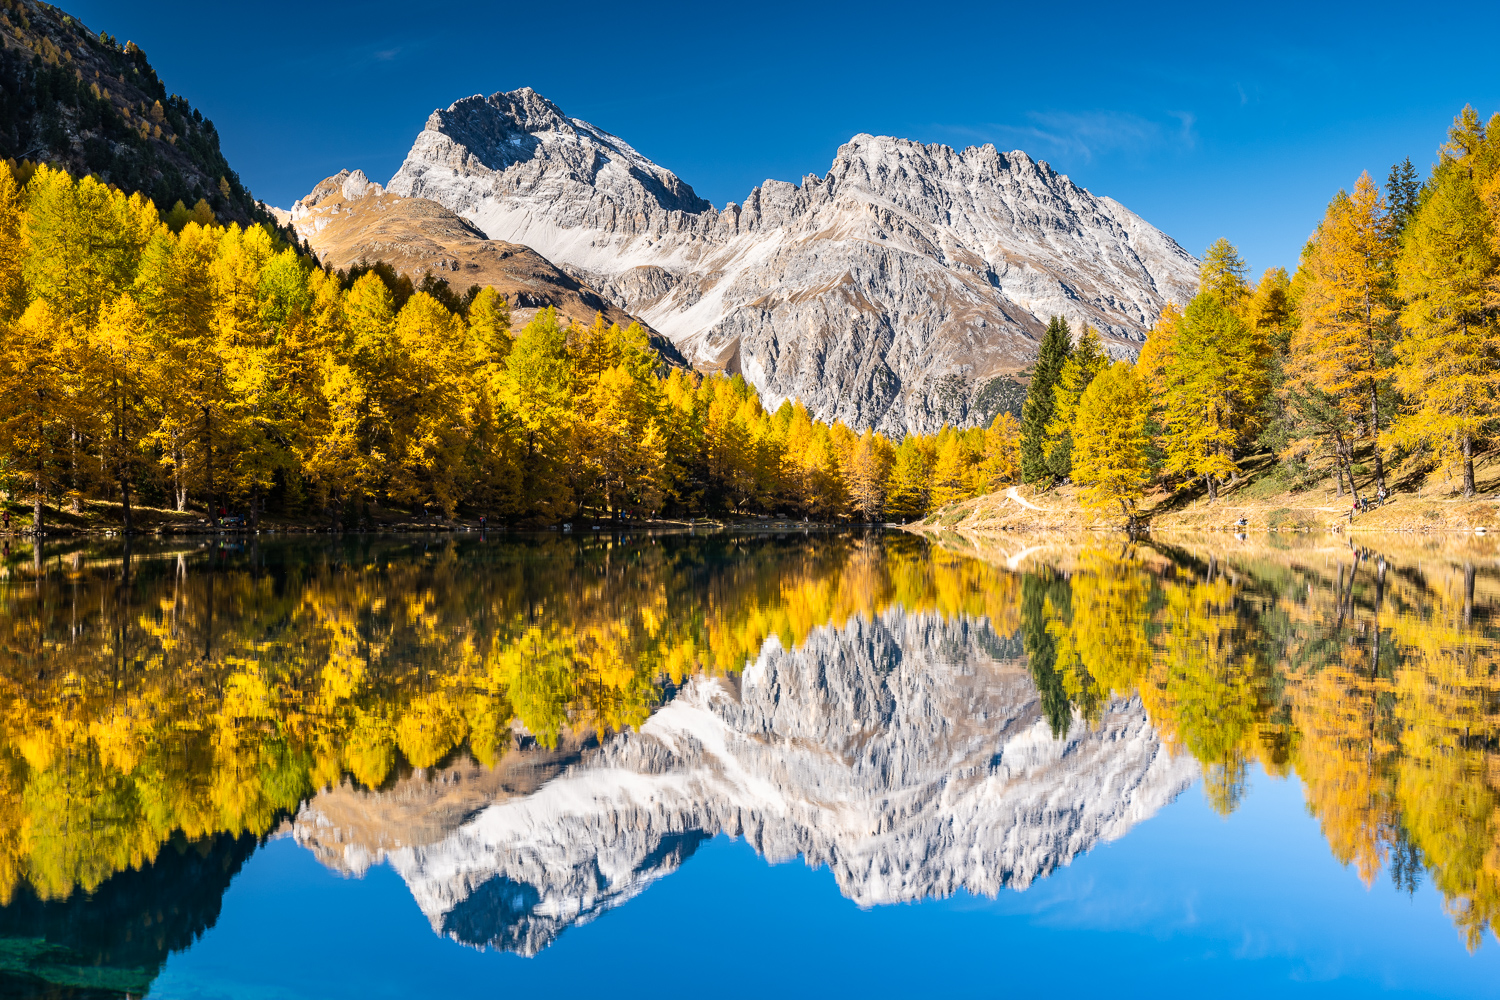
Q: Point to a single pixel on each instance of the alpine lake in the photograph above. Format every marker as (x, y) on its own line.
(749, 764)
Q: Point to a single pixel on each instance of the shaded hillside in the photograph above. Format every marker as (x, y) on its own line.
(84, 102)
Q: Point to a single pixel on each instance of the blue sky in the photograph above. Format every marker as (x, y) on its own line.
(1235, 120)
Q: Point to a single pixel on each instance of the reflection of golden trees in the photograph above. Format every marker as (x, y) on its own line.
(1379, 687)
(204, 694)
(201, 694)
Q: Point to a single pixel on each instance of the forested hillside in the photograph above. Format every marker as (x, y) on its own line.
(85, 103)
(1373, 367)
(177, 362)
(216, 367)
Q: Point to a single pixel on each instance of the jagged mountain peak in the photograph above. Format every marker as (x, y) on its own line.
(514, 128)
(346, 183)
(901, 290)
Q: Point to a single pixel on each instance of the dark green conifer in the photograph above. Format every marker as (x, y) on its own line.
(1401, 192)
(1037, 593)
(1036, 412)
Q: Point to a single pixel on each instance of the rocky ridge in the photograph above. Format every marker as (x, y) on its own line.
(347, 219)
(82, 102)
(900, 290)
(908, 754)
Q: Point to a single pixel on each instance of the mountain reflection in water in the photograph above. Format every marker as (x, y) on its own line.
(531, 731)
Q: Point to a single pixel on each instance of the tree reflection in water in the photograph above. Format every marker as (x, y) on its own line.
(180, 702)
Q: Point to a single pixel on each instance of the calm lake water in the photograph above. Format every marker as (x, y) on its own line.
(749, 765)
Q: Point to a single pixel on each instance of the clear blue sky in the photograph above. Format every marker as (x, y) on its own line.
(1239, 120)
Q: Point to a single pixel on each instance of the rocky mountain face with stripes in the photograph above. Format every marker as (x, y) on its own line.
(902, 289)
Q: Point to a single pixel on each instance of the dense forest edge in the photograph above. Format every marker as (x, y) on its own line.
(179, 371)
(1361, 389)
(166, 372)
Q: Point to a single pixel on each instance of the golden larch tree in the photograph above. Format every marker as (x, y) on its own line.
(1343, 344)
(1446, 274)
(1110, 441)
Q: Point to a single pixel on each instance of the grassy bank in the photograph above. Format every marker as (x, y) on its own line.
(1263, 498)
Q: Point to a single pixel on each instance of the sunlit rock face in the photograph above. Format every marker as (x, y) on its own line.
(898, 291)
(907, 754)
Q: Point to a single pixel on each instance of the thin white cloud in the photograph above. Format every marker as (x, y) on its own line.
(1186, 135)
(1087, 134)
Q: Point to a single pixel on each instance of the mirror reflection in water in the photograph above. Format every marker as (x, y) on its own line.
(530, 732)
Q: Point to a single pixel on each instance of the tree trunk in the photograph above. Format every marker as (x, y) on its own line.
(1468, 466)
(1375, 436)
(179, 478)
(74, 484)
(1348, 449)
(255, 506)
(208, 452)
(122, 465)
(1213, 488)
(1468, 593)
(36, 507)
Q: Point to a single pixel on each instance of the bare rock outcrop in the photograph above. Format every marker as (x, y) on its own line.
(900, 290)
(347, 219)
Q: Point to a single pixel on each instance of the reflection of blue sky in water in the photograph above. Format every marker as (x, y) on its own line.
(1249, 905)
(893, 757)
(908, 754)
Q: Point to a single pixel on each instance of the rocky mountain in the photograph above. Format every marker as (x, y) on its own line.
(83, 102)
(347, 219)
(909, 755)
(900, 290)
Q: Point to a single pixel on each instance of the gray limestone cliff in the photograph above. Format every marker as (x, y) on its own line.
(898, 291)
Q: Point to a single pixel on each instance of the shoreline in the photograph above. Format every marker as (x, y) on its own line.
(570, 529)
(1249, 507)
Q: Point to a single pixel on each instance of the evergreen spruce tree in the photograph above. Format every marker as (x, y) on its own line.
(1088, 359)
(1045, 598)
(1036, 412)
(1401, 191)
